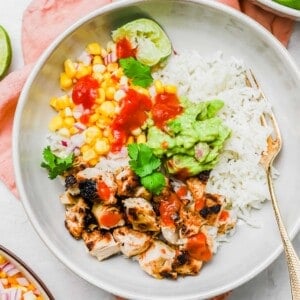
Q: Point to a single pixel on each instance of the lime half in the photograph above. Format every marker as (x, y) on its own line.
(5, 52)
(152, 43)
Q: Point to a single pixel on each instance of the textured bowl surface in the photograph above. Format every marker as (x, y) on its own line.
(279, 9)
(203, 25)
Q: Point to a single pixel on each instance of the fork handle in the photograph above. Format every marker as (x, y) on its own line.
(290, 253)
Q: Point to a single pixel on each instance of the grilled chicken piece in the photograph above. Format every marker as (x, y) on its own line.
(197, 188)
(105, 187)
(212, 208)
(67, 199)
(190, 222)
(75, 216)
(157, 261)
(171, 235)
(108, 216)
(132, 242)
(126, 181)
(140, 214)
(141, 192)
(186, 265)
(100, 244)
(226, 221)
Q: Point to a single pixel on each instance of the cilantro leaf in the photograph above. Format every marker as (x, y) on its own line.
(55, 164)
(145, 164)
(143, 161)
(138, 72)
(154, 182)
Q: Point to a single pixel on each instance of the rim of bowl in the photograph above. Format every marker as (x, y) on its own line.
(280, 9)
(271, 40)
(13, 257)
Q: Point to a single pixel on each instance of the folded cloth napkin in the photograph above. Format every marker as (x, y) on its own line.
(44, 20)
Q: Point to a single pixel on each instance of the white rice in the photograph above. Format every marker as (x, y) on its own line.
(238, 175)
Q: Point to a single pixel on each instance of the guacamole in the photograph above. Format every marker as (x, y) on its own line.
(191, 142)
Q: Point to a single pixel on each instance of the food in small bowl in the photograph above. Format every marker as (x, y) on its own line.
(18, 281)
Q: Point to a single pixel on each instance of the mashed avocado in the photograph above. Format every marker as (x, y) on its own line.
(190, 143)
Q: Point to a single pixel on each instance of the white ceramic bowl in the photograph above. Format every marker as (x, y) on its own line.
(203, 25)
(278, 9)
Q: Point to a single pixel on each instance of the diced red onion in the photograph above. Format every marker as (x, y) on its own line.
(22, 281)
(4, 296)
(8, 267)
(64, 143)
(79, 126)
(12, 272)
(3, 265)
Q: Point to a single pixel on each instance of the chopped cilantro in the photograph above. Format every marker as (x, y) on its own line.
(55, 164)
(154, 182)
(145, 164)
(138, 72)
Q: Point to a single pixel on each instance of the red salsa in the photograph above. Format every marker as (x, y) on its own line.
(168, 209)
(85, 91)
(103, 191)
(125, 49)
(132, 116)
(198, 248)
(166, 107)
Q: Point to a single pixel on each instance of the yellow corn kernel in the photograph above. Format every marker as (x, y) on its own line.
(97, 60)
(102, 146)
(89, 155)
(93, 118)
(93, 48)
(53, 102)
(69, 122)
(98, 76)
(73, 130)
(61, 102)
(91, 134)
(2, 259)
(141, 139)
(110, 93)
(65, 81)
(103, 122)
(93, 162)
(130, 140)
(64, 132)
(107, 108)
(158, 86)
(70, 69)
(141, 90)
(2, 274)
(111, 67)
(83, 70)
(101, 96)
(136, 132)
(119, 73)
(85, 148)
(55, 123)
(172, 89)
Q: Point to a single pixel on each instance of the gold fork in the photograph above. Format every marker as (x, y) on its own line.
(274, 143)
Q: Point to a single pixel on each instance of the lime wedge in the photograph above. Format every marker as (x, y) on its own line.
(152, 43)
(5, 52)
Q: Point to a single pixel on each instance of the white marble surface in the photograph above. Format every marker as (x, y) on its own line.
(17, 234)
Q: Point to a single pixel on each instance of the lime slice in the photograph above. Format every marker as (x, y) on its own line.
(151, 41)
(5, 52)
(290, 3)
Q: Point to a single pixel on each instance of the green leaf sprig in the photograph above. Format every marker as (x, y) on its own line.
(55, 164)
(145, 164)
(138, 72)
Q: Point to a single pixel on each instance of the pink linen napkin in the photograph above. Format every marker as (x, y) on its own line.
(43, 20)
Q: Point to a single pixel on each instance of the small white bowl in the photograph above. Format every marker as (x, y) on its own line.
(278, 9)
(206, 26)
